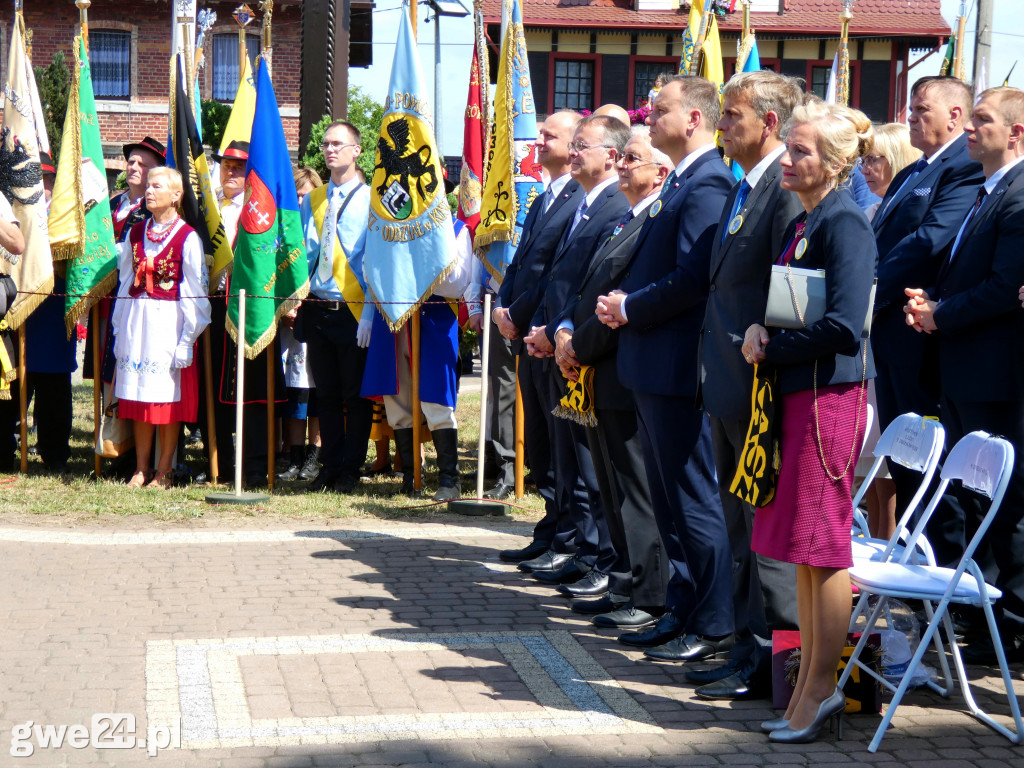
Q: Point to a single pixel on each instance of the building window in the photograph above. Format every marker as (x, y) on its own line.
(110, 58)
(574, 84)
(819, 80)
(644, 73)
(225, 63)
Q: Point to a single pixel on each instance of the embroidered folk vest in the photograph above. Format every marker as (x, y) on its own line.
(158, 276)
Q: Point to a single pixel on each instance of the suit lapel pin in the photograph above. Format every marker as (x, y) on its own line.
(735, 224)
(655, 208)
(801, 248)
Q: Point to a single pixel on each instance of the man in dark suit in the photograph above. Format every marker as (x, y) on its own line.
(977, 321)
(748, 240)
(518, 298)
(660, 310)
(916, 221)
(637, 582)
(598, 141)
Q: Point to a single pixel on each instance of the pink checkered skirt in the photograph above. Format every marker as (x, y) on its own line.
(809, 520)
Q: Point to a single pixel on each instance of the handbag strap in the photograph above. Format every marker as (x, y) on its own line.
(860, 400)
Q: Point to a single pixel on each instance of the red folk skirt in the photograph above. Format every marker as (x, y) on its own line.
(186, 409)
(809, 520)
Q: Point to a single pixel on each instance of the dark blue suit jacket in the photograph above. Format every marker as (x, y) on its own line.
(979, 316)
(523, 287)
(912, 232)
(740, 267)
(667, 282)
(572, 259)
(839, 241)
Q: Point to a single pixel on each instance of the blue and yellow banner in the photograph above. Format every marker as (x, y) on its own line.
(512, 177)
(410, 242)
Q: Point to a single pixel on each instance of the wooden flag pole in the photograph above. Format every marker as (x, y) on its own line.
(23, 396)
(97, 374)
(843, 86)
(520, 438)
(211, 418)
(414, 343)
(271, 442)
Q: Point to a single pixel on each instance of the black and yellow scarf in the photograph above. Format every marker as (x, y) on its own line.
(577, 404)
(758, 468)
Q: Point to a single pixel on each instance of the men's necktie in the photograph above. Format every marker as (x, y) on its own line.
(548, 200)
(667, 185)
(982, 194)
(625, 220)
(741, 198)
(325, 264)
(580, 213)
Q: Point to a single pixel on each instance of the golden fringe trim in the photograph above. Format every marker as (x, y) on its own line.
(5, 394)
(65, 251)
(68, 250)
(19, 314)
(396, 326)
(253, 351)
(226, 271)
(84, 304)
(587, 419)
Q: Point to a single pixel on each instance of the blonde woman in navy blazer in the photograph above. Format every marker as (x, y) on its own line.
(822, 369)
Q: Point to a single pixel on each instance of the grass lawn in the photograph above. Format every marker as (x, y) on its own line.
(77, 498)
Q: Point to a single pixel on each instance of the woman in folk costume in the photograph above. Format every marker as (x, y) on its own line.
(162, 309)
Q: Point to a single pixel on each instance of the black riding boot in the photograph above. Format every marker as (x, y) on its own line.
(403, 446)
(446, 443)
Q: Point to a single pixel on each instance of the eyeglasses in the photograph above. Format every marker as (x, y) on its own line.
(632, 159)
(578, 147)
(872, 159)
(335, 145)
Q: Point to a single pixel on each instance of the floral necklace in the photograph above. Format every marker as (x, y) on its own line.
(159, 237)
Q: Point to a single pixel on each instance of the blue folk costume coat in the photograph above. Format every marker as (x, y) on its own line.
(439, 352)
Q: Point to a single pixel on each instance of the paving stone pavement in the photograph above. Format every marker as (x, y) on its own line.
(374, 644)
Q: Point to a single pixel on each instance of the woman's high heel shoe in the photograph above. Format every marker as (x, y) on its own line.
(774, 725)
(831, 707)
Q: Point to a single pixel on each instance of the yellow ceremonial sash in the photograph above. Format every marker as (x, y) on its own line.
(351, 290)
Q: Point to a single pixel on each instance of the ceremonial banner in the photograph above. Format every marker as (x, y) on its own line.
(243, 111)
(512, 178)
(748, 59)
(709, 47)
(80, 225)
(22, 138)
(270, 254)
(198, 201)
(472, 152)
(946, 68)
(410, 241)
(832, 91)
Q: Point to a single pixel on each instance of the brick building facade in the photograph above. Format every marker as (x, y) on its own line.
(135, 37)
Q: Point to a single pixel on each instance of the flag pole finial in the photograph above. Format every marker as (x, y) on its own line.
(83, 19)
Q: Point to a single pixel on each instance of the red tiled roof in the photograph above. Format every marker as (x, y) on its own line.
(883, 18)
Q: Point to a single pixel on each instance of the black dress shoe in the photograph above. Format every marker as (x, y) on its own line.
(626, 617)
(691, 648)
(569, 573)
(591, 585)
(547, 561)
(592, 606)
(713, 674)
(346, 484)
(667, 628)
(736, 687)
(500, 492)
(530, 551)
(320, 483)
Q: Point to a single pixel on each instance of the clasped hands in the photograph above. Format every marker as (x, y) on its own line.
(505, 325)
(754, 341)
(920, 310)
(565, 355)
(609, 309)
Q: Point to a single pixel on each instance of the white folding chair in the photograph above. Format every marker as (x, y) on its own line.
(913, 442)
(983, 464)
(859, 520)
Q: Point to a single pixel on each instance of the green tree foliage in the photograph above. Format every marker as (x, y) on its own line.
(366, 115)
(215, 121)
(54, 84)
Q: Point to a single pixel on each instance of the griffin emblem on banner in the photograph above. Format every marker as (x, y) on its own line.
(398, 166)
